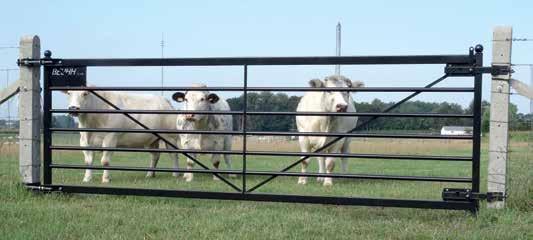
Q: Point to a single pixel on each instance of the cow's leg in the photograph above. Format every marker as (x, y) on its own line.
(344, 160)
(305, 164)
(330, 165)
(190, 164)
(175, 163)
(173, 156)
(110, 140)
(154, 160)
(215, 159)
(88, 156)
(304, 146)
(227, 159)
(321, 168)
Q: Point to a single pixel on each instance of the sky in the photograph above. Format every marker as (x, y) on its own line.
(130, 29)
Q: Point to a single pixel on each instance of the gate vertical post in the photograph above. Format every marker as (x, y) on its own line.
(476, 141)
(499, 114)
(30, 113)
(244, 129)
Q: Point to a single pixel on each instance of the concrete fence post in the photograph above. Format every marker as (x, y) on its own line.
(499, 114)
(30, 113)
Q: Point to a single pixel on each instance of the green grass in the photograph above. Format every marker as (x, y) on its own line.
(27, 215)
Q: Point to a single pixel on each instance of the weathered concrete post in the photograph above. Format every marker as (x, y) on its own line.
(499, 114)
(30, 113)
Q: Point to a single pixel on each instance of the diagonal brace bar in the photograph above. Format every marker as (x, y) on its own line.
(359, 126)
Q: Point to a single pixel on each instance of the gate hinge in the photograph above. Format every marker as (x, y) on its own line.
(469, 70)
(465, 194)
(31, 62)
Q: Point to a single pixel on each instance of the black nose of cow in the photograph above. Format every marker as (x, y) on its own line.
(190, 117)
(74, 114)
(341, 107)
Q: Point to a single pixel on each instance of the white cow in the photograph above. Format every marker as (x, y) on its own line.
(326, 101)
(85, 100)
(204, 101)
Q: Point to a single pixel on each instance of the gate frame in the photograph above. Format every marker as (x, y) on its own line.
(454, 67)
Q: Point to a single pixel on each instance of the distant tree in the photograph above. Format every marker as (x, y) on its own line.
(270, 102)
(63, 121)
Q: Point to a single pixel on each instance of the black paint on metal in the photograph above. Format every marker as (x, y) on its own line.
(256, 133)
(269, 153)
(476, 142)
(261, 197)
(456, 65)
(262, 89)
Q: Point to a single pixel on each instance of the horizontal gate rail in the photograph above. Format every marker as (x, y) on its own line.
(269, 153)
(268, 173)
(111, 111)
(261, 133)
(381, 202)
(257, 89)
(236, 61)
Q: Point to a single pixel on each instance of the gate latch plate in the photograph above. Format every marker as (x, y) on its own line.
(465, 194)
(469, 70)
(456, 194)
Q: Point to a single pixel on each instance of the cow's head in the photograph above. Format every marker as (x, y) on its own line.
(196, 101)
(78, 100)
(335, 101)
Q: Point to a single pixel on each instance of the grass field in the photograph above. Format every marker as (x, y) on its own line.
(27, 215)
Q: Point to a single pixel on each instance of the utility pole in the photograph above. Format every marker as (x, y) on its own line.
(338, 49)
(8, 102)
(162, 43)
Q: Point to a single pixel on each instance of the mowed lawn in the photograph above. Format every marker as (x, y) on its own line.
(27, 215)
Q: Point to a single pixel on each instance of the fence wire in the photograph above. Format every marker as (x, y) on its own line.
(520, 157)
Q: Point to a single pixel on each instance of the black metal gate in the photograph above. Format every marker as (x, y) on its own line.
(469, 65)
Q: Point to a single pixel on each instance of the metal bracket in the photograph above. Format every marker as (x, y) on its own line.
(465, 194)
(31, 62)
(469, 70)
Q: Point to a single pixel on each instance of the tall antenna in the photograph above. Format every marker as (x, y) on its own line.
(162, 43)
(338, 49)
(8, 102)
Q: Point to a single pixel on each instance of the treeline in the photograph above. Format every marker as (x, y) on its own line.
(267, 101)
(280, 102)
(64, 121)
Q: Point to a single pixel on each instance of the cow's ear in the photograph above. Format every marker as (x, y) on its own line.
(348, 82)
(316, 83)
(358, 84)
(212, 98)
(178, 96)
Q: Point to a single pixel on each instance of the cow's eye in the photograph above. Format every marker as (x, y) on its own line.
(202, 99)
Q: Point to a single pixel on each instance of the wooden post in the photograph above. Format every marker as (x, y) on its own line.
(30, 113)
(499, 114)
